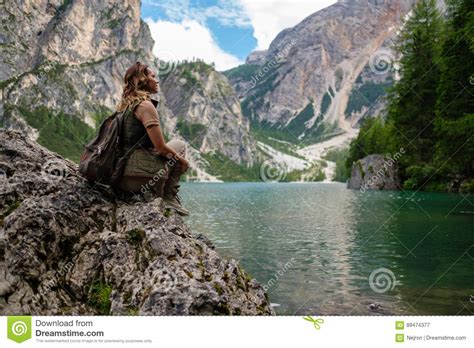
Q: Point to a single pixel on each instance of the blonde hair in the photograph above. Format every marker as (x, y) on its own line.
(135, 81)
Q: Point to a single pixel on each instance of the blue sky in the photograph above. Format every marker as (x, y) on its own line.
(223, 32)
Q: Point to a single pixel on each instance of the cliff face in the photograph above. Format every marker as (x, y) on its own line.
(69, 56)
(208, 112)
(69, 247)
(336, 62)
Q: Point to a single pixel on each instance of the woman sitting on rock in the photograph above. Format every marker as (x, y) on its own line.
(153, 165)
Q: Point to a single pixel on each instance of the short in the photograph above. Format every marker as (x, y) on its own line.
(146, 170)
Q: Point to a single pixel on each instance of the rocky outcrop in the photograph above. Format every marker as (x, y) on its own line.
(374, 172)
(208, 112)
(71, 247)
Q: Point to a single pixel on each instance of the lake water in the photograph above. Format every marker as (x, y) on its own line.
(320, 248)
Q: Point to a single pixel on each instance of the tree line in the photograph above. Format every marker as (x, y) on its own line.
(431, 105)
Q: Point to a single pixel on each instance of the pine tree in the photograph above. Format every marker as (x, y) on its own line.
(455, 103)
(412, 100)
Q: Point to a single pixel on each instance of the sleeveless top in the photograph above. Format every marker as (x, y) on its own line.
(134, 133)
(141, 161)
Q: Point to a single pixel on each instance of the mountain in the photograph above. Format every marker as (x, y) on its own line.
(207, 112)
(63, 71)
(62, 74)
(319, 78)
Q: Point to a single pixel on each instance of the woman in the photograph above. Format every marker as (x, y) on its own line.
(153, 165)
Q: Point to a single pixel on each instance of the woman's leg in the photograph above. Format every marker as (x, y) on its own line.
(171, 186)
(142, 185)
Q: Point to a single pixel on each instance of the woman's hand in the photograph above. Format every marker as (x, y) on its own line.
(184, 165)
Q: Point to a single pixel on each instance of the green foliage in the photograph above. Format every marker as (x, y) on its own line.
(454, 124)
(244, 72)
(99, 296)
(418, 175)
(225, 169)
(413, 98)
(375, 137)
(254, 101)
(6, 82)
(365, 95)
(326, 102)
(455, 147)
(268, 130)
(61, 133)
(193, 132)
(339, 156)
(467, 187)
(114, 23)
(100, 115)
(9, 209)
(297, 125)
(431, 106)
(135, 236)
(190, 71)
(315, 173)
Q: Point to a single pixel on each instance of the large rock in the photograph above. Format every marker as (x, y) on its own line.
(374, 172)
(71, 247)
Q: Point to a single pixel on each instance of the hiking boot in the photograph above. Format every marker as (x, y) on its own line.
(174, 203)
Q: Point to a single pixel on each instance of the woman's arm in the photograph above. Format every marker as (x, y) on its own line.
(148, 115)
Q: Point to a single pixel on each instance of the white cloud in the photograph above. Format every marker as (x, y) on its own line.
(269, 17)
(188, 39)
(184, 34)
(227, 13)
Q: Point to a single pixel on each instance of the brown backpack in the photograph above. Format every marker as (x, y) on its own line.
(104, 158)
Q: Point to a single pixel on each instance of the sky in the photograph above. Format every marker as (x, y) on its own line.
(219, 31)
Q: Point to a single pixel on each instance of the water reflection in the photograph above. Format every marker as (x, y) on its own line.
(335, 238)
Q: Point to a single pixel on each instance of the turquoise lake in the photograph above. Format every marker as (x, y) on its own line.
(320, 248)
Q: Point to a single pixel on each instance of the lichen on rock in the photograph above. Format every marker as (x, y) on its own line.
(71, 247)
